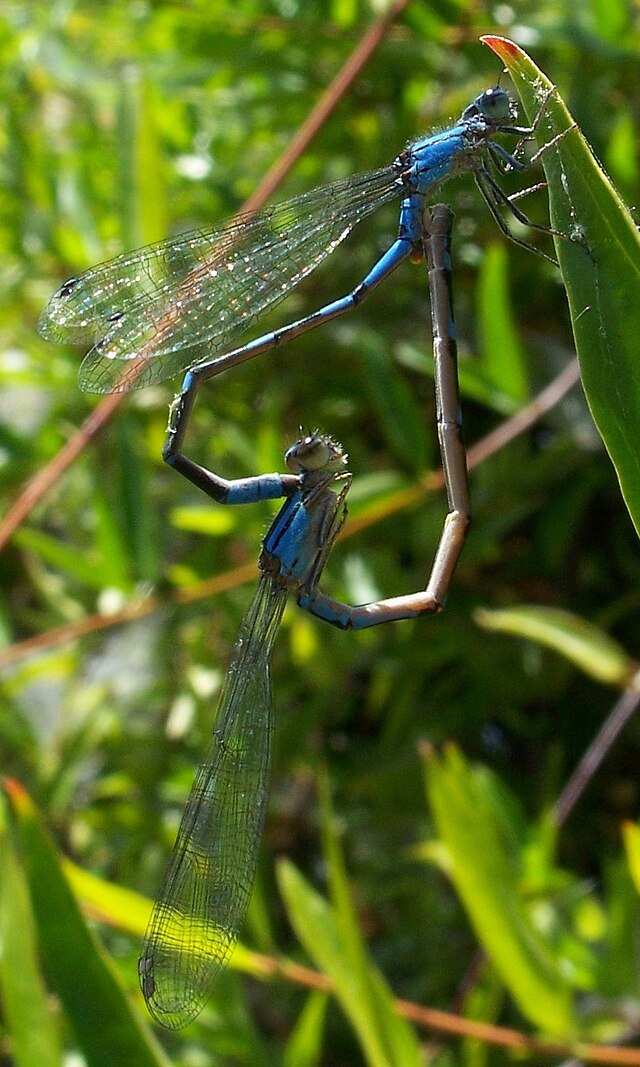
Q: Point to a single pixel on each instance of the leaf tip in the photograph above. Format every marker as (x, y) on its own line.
(426, 750)
(16, 793)
(502, 46)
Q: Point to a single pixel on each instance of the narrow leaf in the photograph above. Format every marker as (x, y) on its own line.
(214, 521)
(586, 645)
(396, 1036)
(486, 880)
(386, 1039)
(305, 1044)
(27, 1015)
(107, 1028)
(68, 559)
(631, 838)
(600, 270)
(502, 358)
(128, 911)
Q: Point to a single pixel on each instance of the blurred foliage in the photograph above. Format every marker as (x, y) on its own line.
(128, 121)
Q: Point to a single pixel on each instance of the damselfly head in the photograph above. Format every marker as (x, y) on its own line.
(315, 452)
(494, 105)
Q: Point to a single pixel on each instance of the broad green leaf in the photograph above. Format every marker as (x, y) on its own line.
(339, 889)
(484, 876)
(108, 1029)
(315, 925)
(586, 645)
(601, 274)
(27, 1015)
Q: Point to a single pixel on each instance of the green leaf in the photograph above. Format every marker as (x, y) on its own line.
(483, 873)
(68, 559)
(115, 555)
(136, 515)
(631, 838)
(395, 404)
(502, 358)
(621, 156)
(385, 1038)
(142, 190)
(396, 1035)
(586, 645)
(485, 1000)
(475, 379)
(33, 1036)
(108, 1030)
(129, 912)
(601, 275)
(612, 19)
(112, 904)
(618, 963)
(305, 1044)
(214, 521)
(332, 938)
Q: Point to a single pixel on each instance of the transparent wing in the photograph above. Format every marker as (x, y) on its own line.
(167, 306)
(202, 903)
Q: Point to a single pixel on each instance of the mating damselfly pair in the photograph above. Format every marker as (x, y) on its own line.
(201, 905)
(179, 305)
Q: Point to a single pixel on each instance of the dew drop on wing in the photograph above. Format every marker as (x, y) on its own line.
(116, 316)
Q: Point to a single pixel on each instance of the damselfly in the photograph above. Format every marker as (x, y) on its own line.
(157, 311)
(202, 903)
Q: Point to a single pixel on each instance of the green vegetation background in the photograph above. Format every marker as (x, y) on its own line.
(123, 123)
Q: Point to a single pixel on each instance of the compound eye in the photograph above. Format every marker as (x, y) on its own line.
(494, 104)
(315, 452)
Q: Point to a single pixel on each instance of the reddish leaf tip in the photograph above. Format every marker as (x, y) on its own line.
(16, 793)
(502, 46)
(426, 750)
